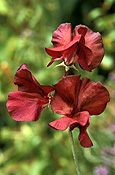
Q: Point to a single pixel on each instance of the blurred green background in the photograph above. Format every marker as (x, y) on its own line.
(26, 28)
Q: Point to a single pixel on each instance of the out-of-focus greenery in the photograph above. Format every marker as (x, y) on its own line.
(26, 28)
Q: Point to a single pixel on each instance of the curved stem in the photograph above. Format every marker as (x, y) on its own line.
(74, 152)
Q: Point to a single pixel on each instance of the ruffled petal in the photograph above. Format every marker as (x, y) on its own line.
(25, 106)
(61, 123)
(84, 53)
(93, 97)
(86, 141)
(64, 122)
(93, 41)
(70, 53)
(86, 50)
(84, 56)
(84, 127)
(80, 30)
(82, 119)
(66, 94)
(59, 106)
(57, 52)
(27, 83)
(84, 122)
(62, 35)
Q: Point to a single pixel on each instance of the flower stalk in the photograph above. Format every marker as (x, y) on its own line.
(74, 152)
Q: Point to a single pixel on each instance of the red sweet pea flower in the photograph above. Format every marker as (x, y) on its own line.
(83, 46)
(32, 98)
(77, 100)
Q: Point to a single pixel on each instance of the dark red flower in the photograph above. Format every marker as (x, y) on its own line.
(32, 98)
(83, 46)
(77, 100)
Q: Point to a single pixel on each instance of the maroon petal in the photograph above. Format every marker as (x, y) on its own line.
(60, 106)
(52, 60)
(61, 123)
(23, 66)
(84, 53)
(25, 106)
(84, 127)
(84, 123)
(93, 97)
(80, 30)
(84, 56)
(70, 53)
(82, 119)
(57, 52)
(86, 141)
(66, 93)
(64, 122)
(62, 35)
(27, 83)
(65, 52)
(93, 41)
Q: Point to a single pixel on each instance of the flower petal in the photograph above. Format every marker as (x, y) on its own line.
(84, 128)
(84, 56)
(84, 123)
(61, 123)
(52, 60)
(81, 118)
(55, 52)
(86, 141)
(62, 35)
(27, 83)
(64, 122)
(59, 106)
(25, 106)
(66, 94)
(65, 53)
(93, 41)
(70, 53)
(84, 53)
(80, 30)
(86, 50)
(93, 97)
(58, 51)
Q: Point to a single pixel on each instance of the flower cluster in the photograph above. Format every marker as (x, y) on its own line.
(83, 46)
(74, 98)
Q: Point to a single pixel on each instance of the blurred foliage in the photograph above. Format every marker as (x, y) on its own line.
(26, 28)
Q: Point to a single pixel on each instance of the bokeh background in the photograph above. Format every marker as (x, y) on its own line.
(26, 28)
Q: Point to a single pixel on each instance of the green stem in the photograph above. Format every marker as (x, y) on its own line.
(74, 152)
